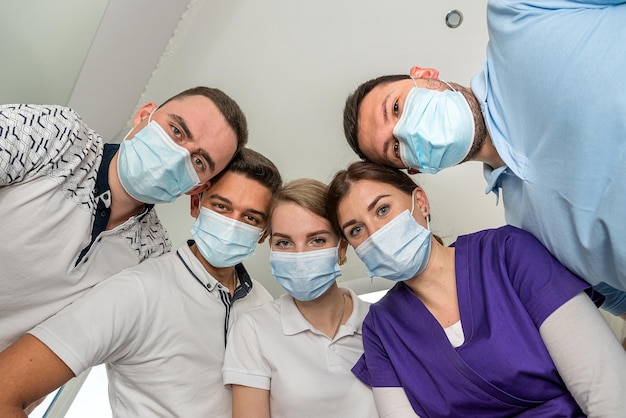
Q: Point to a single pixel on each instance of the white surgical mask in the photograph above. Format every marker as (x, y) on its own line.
(306, 275)
(153, 168)
(222, 241)
(398, 251)
(435, 130)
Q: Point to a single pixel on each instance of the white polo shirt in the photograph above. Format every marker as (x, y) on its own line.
(273, 347)
(54, 208)
(160, 327)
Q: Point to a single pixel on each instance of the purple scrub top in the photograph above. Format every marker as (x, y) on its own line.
(507, 285)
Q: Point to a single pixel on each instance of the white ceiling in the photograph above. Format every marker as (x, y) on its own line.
(289, 64)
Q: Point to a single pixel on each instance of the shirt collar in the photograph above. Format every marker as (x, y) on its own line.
(494, 180)
(293, 322)
(196, 268)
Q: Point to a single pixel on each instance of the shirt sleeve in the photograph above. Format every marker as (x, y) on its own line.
(588, 357)
(244, 363)
(374, 368)
(393, 403)
(33, 138)
(100, 327)
(541, 282)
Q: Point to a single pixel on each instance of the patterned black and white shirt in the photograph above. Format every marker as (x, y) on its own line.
(54, 208)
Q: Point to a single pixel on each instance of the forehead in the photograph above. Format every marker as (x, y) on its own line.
(373, 128)
(208, 126)
(292, 219)
(244, 193)
(362, 194)
(196, 108)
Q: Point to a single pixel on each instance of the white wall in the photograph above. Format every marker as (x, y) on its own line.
(290, 65)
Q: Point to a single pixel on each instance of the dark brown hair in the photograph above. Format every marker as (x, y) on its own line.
(255, 166)
(343, 180)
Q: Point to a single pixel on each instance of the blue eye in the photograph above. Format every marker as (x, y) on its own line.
(281, 243)
(383, 210)
(355, 231)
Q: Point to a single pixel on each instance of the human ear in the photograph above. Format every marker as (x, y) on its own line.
(144, 113)
(194, 206)
(200, 188)
(263, 237)
(419, 72)
(421, 201)
(343, 248)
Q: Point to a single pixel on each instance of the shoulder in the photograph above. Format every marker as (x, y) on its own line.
(150, 239)
(503, 238)
(261, 316)
(260, 292)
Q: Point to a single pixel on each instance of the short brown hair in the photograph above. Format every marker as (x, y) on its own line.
(227, 106)
(255, 166)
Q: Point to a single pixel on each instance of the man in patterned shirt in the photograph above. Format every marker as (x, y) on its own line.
(74, 210)
(161, 326)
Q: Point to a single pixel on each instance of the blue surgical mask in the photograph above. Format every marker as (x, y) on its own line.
(154, 169)
(222, 241)
(398, 251)
(435, 130)
(307, 275)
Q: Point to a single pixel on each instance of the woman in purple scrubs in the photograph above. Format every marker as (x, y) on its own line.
(491, 326)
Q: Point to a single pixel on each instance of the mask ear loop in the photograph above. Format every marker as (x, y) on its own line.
(131, 129)
(448, 84)
(414, 82)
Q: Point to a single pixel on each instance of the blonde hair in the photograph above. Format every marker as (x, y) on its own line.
(307, 193)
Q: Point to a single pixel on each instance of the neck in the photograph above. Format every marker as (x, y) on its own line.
(225, 275)
(328, 312)
(123, 206)
(482, 149)
(488, 154)
(436, 285)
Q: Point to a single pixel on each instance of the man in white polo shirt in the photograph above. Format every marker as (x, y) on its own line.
(160, 326)
(74, 210)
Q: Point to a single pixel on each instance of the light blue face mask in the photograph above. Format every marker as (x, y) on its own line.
(307, 275)
(435, 130)
(222, 241)
(154, 169)
(398, 251)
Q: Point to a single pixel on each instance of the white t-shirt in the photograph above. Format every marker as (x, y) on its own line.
(160, 327)
(54, 206)
(274, 347)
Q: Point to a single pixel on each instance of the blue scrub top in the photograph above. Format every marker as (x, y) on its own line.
(553, 97)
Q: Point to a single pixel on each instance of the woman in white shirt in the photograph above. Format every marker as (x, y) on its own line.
(293, 356)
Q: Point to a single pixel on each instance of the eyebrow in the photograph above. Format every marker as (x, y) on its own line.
(375, 201)
(207, 157)
(179, 120)
(219, 197)
(258, 212)
(369, 208)
(385, 116)
(230, 203)
(320, 232)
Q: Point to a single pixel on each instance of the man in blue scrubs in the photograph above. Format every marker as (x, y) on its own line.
(546, 116)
